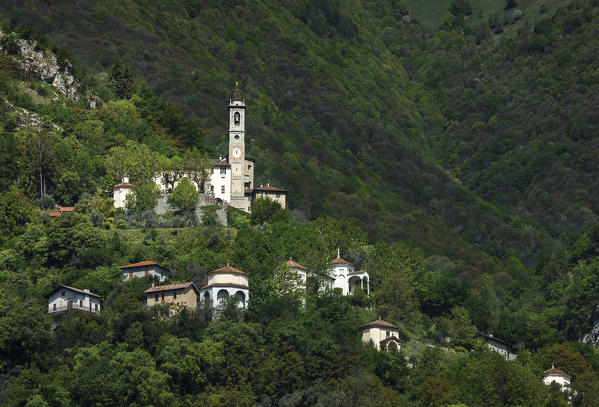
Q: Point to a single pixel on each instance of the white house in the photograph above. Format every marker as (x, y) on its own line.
(347, 278)
(384, 335)
(121, 191)
(220, 181)
(557, 376)
(300, 270)
(498, 345)
(144, 269)
(226, 282)
(65, 298)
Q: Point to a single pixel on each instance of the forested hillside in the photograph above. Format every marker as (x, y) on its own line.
(334, 115)
(451, 153)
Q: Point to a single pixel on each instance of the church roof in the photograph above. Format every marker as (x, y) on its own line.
(339, 260)
(555, 372)
(222, 162)
(237, 94)
(291, 263)
(379, 323)
(122, 185)
(228, 269)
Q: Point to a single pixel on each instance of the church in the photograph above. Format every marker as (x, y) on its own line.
(231, 178)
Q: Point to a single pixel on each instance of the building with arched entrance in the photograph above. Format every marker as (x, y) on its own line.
(383, 335)
(224, 283)
(345, 276)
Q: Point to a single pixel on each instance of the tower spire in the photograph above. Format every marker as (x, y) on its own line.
(338, 253)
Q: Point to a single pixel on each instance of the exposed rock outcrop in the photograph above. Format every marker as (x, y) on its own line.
(43, 65)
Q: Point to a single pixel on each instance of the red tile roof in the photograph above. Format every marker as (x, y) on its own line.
(228, 269)
(291, 263)
(379, 323)
(142, 264)
(66, 208)
(122, 184)
(339, 260)
(168, 287)
(54, 214)
(225, 285)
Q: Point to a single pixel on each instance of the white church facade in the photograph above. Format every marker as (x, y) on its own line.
(230, 181)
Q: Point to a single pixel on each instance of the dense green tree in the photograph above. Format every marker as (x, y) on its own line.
(122, 80)
(185, 196)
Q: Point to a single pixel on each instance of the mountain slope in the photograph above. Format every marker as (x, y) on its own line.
(333, 114)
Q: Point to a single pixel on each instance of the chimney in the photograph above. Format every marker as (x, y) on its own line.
(125, 178)
(86, 290)
(267, 183)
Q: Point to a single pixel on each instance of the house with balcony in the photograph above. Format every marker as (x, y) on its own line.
(64, 298)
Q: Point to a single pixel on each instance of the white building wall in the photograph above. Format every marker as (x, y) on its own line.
(559, 379)
(339, 273)
(218, 180)
(120, 195)
(226, 278)
(79, 300)
(377, 334)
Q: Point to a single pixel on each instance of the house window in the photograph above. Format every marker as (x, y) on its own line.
(54, 306)
(147, 272)
(62, 294)
(156, 297)
(223, 170)
(212, 188)
(387, 334)
(249, 166)
(174, 294)
(96, 306)
(162, 297)
(222, 189)
(80, 303)
(278, 194)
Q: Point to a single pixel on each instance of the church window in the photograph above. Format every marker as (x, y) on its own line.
(249, 166)
(237, 117)
(236, 137)
(222, 189)
(387, 334)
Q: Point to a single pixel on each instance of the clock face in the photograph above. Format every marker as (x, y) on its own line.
(236, 152)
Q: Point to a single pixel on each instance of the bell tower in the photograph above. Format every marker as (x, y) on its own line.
(237, 147)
